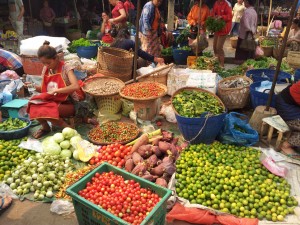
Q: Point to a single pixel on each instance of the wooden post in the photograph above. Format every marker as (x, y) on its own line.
(171, 9)
(199, 26)
(137, 24)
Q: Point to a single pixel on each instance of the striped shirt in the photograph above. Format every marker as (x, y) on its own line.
(10, 60)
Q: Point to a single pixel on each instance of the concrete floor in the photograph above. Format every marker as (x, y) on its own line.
(35, 213)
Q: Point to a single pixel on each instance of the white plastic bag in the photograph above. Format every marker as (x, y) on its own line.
(31, 144)
(168, 112)
(5, 191)
(62, 207)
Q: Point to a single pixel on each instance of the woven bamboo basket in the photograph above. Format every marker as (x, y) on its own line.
(122, 76)
(233, 42)
(268, 51)
(109, 104)
(115, 60)
(160, 75)
(293, 59)
(234, 98)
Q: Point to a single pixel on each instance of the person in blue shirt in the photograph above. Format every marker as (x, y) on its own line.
(123, 41)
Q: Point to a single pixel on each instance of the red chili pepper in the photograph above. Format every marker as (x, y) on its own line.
(143, 90)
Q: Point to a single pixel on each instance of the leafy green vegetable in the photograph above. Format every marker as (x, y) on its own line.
(82, 42)
(183, 36)
(268, 43)
(185, 48)
(167, 51)
(207, 54)
(214, 24)
(12, 124)
(192, 104)
(207, 63)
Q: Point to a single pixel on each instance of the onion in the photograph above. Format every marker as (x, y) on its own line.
(10, 180)
(49, 194)
(13, 186)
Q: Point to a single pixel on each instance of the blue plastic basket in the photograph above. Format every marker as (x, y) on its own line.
(297, 75)
(267, 74)
(180, 56)
(87, 52)
(259, 98)
(16, 134)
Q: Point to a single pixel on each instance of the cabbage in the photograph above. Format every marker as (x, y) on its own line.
(50, 147)
(58, 137)
(74, 140)
(65, 144)
(68, 132)
(72, 148)
(65, 153)
(75, 155)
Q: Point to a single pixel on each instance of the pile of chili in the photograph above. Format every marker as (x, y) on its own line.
(143, 90)
(113, 132)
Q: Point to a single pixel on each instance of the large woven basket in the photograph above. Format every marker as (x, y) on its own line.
(115, 60)
(234, 98)
(160, 75)
(93, 86)
(109, 104)
(122, 76)
(233, 42)
(293, 59)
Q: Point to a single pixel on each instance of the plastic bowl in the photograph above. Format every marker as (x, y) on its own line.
(16, 134)
(87, 52)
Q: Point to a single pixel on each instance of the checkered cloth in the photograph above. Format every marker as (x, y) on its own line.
(10, 60)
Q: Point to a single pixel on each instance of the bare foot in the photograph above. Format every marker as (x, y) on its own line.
(287, 148)
(40, 133)
(5, 202)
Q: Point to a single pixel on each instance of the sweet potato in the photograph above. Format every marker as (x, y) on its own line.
(167, 136)
(149, 177)
(174, 141)
(145, 151)
(159, 162)
(174, 151)
(156, 151)
(129, 165)
(158, 171)
(155, 140)
(152, 161)
(142, 140)
(139, 169)
(167, 159)
(169, 168)
(161, 182)
(164, 146)
(137, 158)
(166, 176)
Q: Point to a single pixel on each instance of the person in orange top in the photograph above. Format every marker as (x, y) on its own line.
(193, 17)
(288, 107)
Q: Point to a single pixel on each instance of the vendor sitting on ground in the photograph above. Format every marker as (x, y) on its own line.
(294, 36)
(288, 107)
(123, 41)
(105, 29)
(10, 61)
(166, 38)
(59, 82)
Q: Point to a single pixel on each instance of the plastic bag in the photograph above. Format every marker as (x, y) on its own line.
(5, 191)
(127, 106)
(31, 144)
(62, 207)
(259, 52)
(238, 131)
(168, 112)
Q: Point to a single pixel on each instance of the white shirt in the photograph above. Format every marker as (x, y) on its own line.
(238, 11)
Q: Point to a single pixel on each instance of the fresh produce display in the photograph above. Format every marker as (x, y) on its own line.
(142, 90)
(206, 63)
(230, 72)
(71, 178)
(167, 51)
(233, 180)
(153, 157)
(185, 48)
(123, 198)
(238, 82)
(113, 132)
(103, 86)
(214, 25)
(12, 124)
(82, 42)
(42, 174)
(11, 156)
(192, 103)
(183, 36)
(62, 144)
(268, 43)
(114, 154)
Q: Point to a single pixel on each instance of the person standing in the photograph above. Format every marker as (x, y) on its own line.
(248, 26)
(16, 16)
(130, 11)
(47, 15)
(150, 28)
(238, 11)
(221, 10)
(193, 17)
(118, 14)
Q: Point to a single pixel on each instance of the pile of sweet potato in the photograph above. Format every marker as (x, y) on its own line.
(154, 161)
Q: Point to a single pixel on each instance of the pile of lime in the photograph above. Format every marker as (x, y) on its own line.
(232, 179)
(11, 156)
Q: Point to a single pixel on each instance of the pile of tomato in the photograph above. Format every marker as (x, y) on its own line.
(114, 154)
(123, 198)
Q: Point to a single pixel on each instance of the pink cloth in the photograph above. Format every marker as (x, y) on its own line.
(248, 22)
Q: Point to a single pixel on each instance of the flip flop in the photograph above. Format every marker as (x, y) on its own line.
(2, 203)
(40, 133)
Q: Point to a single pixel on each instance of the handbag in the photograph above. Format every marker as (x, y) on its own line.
(248, 44)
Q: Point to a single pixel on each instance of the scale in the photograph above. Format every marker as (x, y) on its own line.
(16, 108)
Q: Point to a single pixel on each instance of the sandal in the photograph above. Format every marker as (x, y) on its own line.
(5, 204)
(40, 133)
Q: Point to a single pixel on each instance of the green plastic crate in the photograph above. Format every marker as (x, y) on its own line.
(90, 214)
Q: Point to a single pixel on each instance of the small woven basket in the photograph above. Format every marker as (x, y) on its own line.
(109, 104)
(234, 98)
(115, 60)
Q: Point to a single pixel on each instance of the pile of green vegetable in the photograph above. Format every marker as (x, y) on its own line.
(268, 43)
(167, 51)
(214, 25)
(41, 174)
(232, 179)
(12, 124)
(183, 36)
(192, 103)
(206, 63)
(82, 42)
(185, 48)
